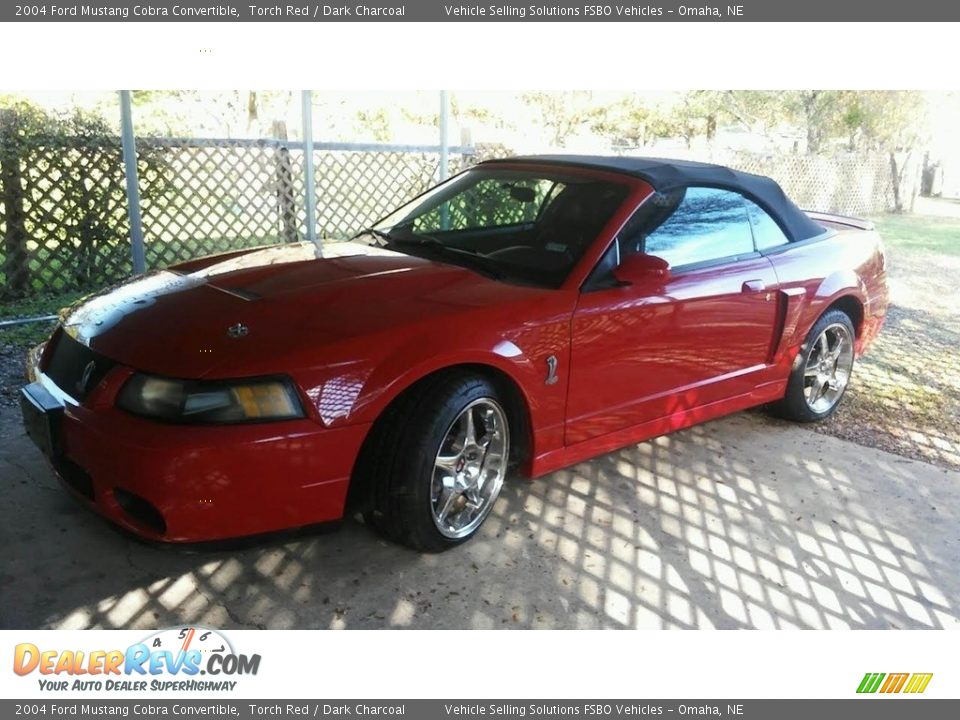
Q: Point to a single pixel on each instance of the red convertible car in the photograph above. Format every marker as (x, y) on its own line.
(527, 313)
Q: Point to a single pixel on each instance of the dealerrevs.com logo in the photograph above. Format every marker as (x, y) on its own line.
(178, 659)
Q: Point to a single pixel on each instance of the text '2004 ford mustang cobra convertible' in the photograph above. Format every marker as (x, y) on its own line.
(527, 313)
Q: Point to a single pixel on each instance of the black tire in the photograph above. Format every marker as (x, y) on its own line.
(396, 467)
(794, 405)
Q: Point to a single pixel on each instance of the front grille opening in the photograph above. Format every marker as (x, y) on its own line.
(75, 477)
(142, 511)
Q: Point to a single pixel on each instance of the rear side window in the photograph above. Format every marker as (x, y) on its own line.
(706, 224)
(766, 232)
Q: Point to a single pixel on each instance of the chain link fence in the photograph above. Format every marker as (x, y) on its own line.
(65, 227)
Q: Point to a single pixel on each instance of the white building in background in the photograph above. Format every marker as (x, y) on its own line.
(944, 108)
(949, 180)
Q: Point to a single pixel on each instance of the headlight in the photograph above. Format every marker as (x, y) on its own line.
(213, 402)
(33, 361)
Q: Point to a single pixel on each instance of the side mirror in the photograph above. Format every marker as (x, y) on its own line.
(640, 269)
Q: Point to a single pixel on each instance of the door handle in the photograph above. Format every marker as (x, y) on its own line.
(753, 286)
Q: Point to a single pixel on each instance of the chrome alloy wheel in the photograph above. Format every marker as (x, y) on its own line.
(828, 368)
(470, 468)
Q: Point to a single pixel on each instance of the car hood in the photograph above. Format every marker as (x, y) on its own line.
(253, 311)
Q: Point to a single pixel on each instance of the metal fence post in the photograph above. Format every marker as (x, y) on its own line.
(309, 180)
(444, 143)
(133, 182)
(444, 157)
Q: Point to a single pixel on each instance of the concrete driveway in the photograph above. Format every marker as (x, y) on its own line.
(743, 522)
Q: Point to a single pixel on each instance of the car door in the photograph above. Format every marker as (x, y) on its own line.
(641, 353)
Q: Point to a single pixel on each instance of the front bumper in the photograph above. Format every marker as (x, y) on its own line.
(188, 484)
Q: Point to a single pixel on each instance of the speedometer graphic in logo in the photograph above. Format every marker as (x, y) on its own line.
(191, 637)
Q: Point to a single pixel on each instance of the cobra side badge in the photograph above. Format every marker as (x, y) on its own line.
(237, 330)
(551, 370)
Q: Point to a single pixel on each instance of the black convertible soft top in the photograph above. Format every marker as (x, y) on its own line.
(664, 175)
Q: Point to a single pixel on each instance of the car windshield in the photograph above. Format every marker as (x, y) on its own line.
(516, 225)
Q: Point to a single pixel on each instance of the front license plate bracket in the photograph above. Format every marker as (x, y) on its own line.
(42, 418)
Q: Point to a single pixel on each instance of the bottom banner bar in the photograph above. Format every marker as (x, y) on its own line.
(887, 709)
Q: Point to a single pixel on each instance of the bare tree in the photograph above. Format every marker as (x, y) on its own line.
(894, 122)
(630, 123)
(563, 113)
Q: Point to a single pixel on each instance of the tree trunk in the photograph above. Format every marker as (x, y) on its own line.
(711, 127)
(813, 139)
(914, 177)
(253, 111)
(814, 133)
(15, 261)
(927, 175)
(896, 182)
(286, 190)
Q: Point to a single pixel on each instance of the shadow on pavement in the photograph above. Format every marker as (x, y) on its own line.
(745, 522)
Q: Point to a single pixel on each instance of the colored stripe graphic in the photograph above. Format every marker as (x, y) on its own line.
(894, 683)
(870, 682)
(918, 682)
(901, 683)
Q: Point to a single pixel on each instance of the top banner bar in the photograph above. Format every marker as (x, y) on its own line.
(497, 11)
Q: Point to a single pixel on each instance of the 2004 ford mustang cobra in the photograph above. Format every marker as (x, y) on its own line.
(530, 312)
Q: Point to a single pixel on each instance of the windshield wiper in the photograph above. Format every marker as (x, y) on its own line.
(417, 240)
(425, 241)
(470, 259)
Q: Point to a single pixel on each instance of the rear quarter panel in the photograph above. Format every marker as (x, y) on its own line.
(848, 261)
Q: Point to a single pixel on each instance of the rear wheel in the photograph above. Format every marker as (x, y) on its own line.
(822, 371)
(436, 462)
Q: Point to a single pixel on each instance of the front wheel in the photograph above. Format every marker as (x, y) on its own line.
(822, 371)
(469, 469)
(436, 462)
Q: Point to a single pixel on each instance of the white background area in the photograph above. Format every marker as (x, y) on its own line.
(500, 56)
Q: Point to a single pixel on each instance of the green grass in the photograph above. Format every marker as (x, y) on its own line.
(26, 336)
(30, 334)
(924, 233)
(37, 305)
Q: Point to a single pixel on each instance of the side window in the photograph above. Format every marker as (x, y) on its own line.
(766, 232)
(706, 224)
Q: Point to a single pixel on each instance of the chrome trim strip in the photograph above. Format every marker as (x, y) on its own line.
(53, 388)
